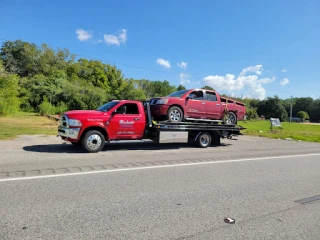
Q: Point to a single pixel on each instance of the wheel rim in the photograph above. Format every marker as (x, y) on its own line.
(94, 141)
(230, 118)
(204, 139)
(175, 115)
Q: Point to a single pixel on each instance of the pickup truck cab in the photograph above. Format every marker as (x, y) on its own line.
(132, 120)
(198, 105)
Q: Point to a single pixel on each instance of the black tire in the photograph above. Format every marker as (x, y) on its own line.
(204, 140)
(93, 141)
(231, 118)
(175, 114)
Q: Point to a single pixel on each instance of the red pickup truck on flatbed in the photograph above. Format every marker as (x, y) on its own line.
(197, 105)
(132, 120)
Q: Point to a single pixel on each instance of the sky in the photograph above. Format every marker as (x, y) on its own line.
(239, 47)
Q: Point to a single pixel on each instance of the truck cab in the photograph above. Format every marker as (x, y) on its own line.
(115, 120)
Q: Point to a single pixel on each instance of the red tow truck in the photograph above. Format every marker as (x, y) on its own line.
(132, 120)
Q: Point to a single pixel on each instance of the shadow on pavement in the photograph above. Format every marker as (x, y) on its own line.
(114, 146)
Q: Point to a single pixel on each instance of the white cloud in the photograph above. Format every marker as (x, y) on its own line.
(111, 39)
(184, 78)
(284, 82)
(164, 63)
(123, 36)
(284, 70)
(266, 80)
(83, 35)
(250, 86)
(182, 65)
(256, 69)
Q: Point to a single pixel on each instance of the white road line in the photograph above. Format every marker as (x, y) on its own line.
(155, 167)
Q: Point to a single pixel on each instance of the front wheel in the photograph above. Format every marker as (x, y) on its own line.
(204, 140)
(93, 141)
(175, 114)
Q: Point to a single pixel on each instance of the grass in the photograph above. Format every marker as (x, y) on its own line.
(26, 124)
(296, 131)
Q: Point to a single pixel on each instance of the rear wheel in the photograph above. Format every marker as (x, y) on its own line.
(93, 141)
(231, 118)
(204, 140)
(175, 114)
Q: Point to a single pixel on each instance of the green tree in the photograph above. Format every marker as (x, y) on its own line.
(315, 110)
(207, 87)
(272, 107)
(181, 87)
(302, 104)
(9, 92)
(303, 115)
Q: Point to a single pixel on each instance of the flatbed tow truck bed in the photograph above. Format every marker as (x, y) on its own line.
(202, 134)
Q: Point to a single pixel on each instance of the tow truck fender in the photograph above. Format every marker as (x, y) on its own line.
(96, 126)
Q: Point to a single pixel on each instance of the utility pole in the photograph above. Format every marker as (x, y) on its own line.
(291, 109)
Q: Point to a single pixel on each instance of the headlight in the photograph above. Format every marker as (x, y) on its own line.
(163, 101)
(74, 123)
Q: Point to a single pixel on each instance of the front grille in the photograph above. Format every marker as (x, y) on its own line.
(64, 121)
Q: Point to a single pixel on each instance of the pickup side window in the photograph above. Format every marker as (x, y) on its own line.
(211, 96)
(197, 95)
(130, 108)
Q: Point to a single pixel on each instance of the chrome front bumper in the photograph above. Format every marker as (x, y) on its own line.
(71, 133)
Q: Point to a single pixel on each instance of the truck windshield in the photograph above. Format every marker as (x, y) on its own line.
(178, 94)
(106, 107)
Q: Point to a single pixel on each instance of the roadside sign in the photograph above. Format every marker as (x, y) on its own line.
(275, 122)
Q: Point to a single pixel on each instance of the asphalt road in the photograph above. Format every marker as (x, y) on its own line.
(177, 202)
(152, 192)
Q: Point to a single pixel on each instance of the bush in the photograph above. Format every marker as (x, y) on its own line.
(60, 108)
(46, 108)
(251, 113)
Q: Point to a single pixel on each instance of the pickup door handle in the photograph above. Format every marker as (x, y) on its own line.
(218, 104)
(136, 119)
(203, 103)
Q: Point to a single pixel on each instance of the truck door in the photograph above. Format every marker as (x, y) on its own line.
(195, 105)
(127, 122)
(213, 106)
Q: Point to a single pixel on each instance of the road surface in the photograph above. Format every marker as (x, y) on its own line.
(271, 188)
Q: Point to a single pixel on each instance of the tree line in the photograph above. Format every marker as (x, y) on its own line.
(41, 79)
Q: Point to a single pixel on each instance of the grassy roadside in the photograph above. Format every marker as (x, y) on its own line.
(26, 124)
(296, 131)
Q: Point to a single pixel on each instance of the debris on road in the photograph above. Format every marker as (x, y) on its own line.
(229, 220)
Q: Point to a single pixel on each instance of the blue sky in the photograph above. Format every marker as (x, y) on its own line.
(243, 48)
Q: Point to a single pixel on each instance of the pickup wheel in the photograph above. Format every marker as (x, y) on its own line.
(93, 141)
(175, 114)
(231, 118)
(204, 140)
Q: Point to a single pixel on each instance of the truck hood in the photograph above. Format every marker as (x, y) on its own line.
(84, 113)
